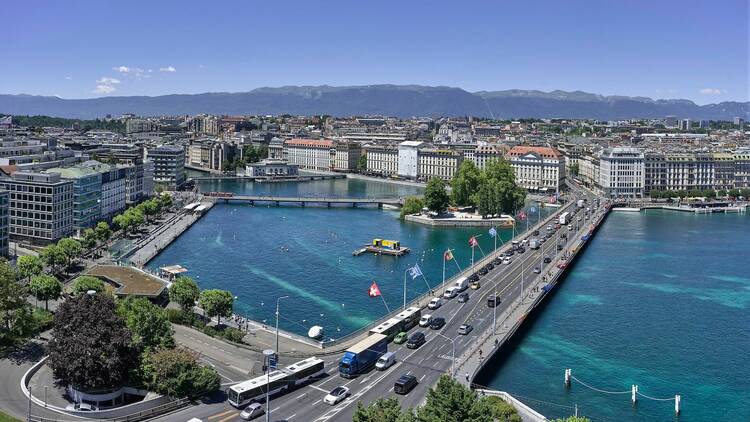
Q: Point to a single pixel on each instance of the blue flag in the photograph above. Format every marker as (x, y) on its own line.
(414, 271)
(493, 232)
(532, 209)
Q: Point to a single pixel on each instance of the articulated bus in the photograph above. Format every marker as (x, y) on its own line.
(389, 328)
(410, 317)
(243, 393)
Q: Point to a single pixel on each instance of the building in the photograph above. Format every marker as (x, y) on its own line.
(210, 154)
(169, 166)
(382, 160)
(139, 126)
(741, 169)
(310, 154)
(484, 153)
(621, 172)
(40, 208)
(408, 159)
(271, 167)
(4, 222)
(537, 168)
(704, 124)
(148, 178)
(131, 156)
(87, 194)
(346, 155)
(207, 125)
(442, 163)
(685, 124)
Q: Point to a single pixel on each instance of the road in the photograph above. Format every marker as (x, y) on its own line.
(427, 363)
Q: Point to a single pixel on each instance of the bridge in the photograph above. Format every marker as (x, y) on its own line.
(302, 200)
(298, 178)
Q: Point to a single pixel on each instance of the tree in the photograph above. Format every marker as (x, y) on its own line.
(382, 410)
(71, 248)
(572, 419)
(449, 401)
(655, 194)
(709, 193)
(722, 193)
(435, 197)
(465, 184)
(574, 169)
(147, 324)
(362, 163)
(734, 193)
(185, 291)
(89, 239)
(84, 283)
(29, 266)
(54, 257)
(90, 346)
(498, 191)
(45, 287)
(216, 303)
(102, 231)
(412, 205)
(500, 410)
(177, 373)
(15, 311)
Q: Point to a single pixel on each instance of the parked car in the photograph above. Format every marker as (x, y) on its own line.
(463, 298)
(405, 384)
(437, 323)
(400, 337)
(252, 411)
(336, 395)
(535, 233)
(415, 340)
(465, 329)
(482, 271)
(81, 407)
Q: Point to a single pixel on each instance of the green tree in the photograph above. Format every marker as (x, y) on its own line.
(15, 311)
(722, 193)
(465, 184)
(500, 410)
(574, 169)
(45, 287)
(435, 196)
(745, 193)
(177, 373)
(412, 205)
(90, 346)
(572, 419)
(362, 163)
(147, 324)
(71, 248)
(709, 193)
(84, 283)
(498, 191)
(655, 194)
(54, 257)
(734, 193)
(695, 193)
(29, 266)
(382, 410)
(103, 231)
(449, 401)
(89, 239)
(216, 303)
(185, 291)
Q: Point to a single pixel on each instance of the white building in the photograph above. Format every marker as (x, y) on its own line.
(537, 168)
(408, 159)
(442, 163)
(382, 160)
(622, 172)
(310, 154)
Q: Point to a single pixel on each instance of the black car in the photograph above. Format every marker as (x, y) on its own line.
(415, 340)
(474, 277)
(560, 247)
(521, 250)
(463, 298)
(497, 261)
(437, 323)
(493, 301)
(490, 266)
(405, 384)
(536, 233)
(482, 271)
(509, 253)
(547, 260)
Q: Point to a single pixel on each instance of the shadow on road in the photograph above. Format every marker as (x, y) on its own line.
(29, 352)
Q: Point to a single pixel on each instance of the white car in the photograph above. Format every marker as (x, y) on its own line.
(81, 407)
(435, 303)
(506, 260)
(252, 411)
(336, 395)
(425, 321)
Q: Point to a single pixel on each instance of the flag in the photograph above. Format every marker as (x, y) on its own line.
(414, 271)
(521, 215)
(493, 232)
(532, 210)
(448, 255)
(552, 199)
(374, 290)
(473, 241)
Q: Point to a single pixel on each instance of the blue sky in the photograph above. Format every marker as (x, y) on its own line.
(661, 49)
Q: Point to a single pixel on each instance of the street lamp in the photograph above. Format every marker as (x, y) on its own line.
(277, 321)
(453, 353)
(267, 354)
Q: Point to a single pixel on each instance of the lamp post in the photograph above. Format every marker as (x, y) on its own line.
(453, 353)
(277, 321)
(267, 355)
(405, 271)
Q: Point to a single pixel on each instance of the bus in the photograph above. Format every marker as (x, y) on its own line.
(389, 328)
(245, 392)
(564, 220)
(410, 317)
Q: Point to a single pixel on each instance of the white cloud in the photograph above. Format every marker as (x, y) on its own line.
(104, 89)
(135, 72)
(712, 91)
(167, 69)
(70, 78)
(107, 81)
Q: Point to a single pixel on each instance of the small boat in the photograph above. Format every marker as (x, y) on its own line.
(315, 332)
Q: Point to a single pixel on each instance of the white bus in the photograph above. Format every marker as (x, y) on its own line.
(564, 220)
(243, 393)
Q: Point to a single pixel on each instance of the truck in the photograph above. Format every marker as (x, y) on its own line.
(359, 358)
(534, 244)
(564, 218)
(580, 203)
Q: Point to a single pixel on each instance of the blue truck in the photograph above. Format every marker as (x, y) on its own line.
(359, 358)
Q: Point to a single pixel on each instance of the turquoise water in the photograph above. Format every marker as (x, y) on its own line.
(261, 253)
(661, 300)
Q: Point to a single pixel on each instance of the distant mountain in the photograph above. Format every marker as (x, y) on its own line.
(388, 100)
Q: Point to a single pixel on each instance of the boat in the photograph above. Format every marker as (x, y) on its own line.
(316, 332)
(626, 209)
(384, 247)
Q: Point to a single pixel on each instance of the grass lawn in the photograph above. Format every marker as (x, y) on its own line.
(7, 418)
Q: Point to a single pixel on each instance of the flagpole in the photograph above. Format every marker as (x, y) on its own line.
(405, 287)
(472, 259)
(442, 286)
(384, 303)
(495, 236)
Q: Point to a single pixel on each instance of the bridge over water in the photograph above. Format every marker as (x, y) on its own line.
(302, 200)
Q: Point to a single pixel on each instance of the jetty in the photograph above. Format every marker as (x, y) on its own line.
(383, 247)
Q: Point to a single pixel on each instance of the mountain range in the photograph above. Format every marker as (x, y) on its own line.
(385, 100)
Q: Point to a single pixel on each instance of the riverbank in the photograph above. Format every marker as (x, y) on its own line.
(459, 219)
(385, 180)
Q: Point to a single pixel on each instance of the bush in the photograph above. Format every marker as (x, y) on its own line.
(175, 316)
(233, 334)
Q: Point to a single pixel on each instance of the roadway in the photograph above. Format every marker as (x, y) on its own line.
(427, 363)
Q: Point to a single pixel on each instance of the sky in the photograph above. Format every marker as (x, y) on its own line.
(691, 49)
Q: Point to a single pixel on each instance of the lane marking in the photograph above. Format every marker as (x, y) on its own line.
(228, 418)
(317, 388)
(218, 415)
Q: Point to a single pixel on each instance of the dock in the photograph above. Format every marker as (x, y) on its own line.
(402, 250)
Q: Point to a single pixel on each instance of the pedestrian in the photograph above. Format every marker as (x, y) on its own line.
(467, 377)
(480, 353)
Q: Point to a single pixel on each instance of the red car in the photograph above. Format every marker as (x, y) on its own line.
(562, 265)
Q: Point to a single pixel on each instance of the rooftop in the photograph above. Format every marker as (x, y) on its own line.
(130, 281)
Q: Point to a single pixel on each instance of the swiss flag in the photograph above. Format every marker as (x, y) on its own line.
(473, 241)
(522, 215)
(374, 290)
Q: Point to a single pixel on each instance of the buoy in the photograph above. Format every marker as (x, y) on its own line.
(315, 332)
(567, 378)
(633, 393)
(677, 400)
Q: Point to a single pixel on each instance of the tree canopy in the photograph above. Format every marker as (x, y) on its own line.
(177, 373)
(147, 323)
(465, 184)
(29, 266)
(54, 257)
(90, 346)
(184, 290)
(498, 191)
(412, 205)
(15, 311)
(45, 287)
(435, 196)
(84, 283)
(216, 303)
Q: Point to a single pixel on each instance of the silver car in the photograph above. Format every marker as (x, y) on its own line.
(252, 411)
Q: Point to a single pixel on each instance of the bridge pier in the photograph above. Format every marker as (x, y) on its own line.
(277, 203)
(380, 205)
(328, 204)
(354, 205)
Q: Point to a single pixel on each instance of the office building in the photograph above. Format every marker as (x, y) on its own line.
(169, 166)
(310, 154)
(622, 172)
(87, 194)
(4, 222)
(537, 168)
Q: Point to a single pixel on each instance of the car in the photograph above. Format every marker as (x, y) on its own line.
(537, 270)
(549, 228)
(437, 323)
(547, 260)
(81, 407)
(336, 395)
(435, 303)
(474, 285)
(492, 301)
(401, 337)
(463, 298)
(535, 233)
(252, 411)
(386, 361)
(475, 277)
(560, 246)
(497, 261)
(415, 340)
(482, 271)
(425, 321)
(490, 266)
(405, 384)
(579, 219)
(562, 265)
(521, 250)
(509, 253)
(506, 261)
(465, 329)
(557, 226)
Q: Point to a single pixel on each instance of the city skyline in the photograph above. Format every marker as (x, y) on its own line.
(85, 49)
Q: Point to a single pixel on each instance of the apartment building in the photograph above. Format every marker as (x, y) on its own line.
(442, 163)
(40, 206)
(622, 172)
(346, 155)
(310, 154)
(169, 166)
(484, 153)
(537, 168)
(4, 222)
(382, 160)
